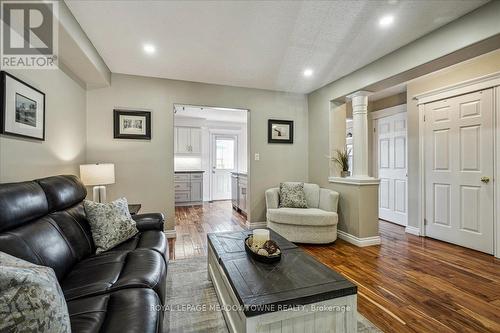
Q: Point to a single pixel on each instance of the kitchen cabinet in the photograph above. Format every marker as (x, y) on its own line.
(234, 190)
(239, 190)
(187, 140)
(188, 186)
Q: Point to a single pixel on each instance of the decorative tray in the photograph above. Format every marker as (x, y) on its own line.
(267, 259)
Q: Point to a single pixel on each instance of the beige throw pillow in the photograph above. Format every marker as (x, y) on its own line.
(31, 299)
(110, 223)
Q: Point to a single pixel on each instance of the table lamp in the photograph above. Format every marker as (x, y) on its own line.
(98, 175)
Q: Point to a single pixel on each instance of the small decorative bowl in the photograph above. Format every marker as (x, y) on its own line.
(270, 259)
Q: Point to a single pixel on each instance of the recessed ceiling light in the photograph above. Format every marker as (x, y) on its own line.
(149, 48)
(308, 72)
(386, 21)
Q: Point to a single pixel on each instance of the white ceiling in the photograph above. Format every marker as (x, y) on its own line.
(211, 113)
(258, 44)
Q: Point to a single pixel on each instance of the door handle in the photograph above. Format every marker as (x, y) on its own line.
(485, 179)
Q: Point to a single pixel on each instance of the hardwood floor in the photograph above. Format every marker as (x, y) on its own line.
(416, 284)
(192, 223)
(407, 284)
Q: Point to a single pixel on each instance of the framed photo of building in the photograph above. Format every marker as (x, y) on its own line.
(279, 131)
(22, 108)
(132, 124)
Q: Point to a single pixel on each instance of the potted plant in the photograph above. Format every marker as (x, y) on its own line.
(341, 158)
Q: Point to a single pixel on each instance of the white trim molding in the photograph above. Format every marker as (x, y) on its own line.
(401, 108)
(170, 233)
(254, 225)
(465, 87)
(359, 181)
(360, 242)
(496, 181)
(413, 230)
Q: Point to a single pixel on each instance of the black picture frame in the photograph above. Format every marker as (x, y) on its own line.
(274, 122)
(117, 134)
(3, 106)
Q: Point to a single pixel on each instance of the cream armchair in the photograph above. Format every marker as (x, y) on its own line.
(316, 224)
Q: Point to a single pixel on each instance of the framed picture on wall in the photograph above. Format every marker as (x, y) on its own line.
(22, 110)
(132, 124)
(279, 131)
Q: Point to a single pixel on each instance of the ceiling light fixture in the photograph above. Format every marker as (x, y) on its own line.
(149, 48)
(386, 21)
(308, 72)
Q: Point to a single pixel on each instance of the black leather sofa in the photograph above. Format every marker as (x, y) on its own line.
(120, 290)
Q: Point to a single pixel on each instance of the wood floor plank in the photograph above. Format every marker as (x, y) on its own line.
(406, 284)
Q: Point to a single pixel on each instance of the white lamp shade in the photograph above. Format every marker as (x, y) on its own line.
(97, 174)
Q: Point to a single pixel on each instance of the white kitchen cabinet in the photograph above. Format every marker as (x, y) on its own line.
(187, 140)
(195, 140)
(188, 188)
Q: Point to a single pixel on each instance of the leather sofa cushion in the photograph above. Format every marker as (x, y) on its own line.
(40, 242)
(302, 216)
(152, 239)
(62, 191)
(21, 203)
(123, 311)
(115, 270)
(75, 230)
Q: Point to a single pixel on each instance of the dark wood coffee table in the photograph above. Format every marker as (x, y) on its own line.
(297, 294)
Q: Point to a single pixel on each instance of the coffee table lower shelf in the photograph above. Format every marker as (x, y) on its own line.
(309, 319)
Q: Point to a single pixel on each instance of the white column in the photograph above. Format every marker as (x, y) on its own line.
(360, 134)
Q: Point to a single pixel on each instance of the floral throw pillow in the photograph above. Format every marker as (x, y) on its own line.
(31, 299)
(110, 223)
(292, 195)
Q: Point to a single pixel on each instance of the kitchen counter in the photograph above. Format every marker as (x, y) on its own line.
(190, 171)
(244, 174)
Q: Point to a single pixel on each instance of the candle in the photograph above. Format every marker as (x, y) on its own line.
(260, 236)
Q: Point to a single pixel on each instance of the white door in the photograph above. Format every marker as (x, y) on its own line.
(459, 170)
(224, 159)
(390, 145)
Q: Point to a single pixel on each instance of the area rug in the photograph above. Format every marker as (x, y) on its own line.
(191, 296)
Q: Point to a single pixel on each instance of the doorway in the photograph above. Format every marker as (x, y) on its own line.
(224, 162)
(211, 148)
(390, 162)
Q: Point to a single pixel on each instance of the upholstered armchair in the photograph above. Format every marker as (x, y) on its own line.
(316, 224)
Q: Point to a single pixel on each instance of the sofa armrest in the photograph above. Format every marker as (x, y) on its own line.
(328, 200)
(149, 221)
(272, 198)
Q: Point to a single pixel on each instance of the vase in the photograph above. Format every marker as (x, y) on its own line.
(344, 174)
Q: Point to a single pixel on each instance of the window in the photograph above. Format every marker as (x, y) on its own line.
(224, 153)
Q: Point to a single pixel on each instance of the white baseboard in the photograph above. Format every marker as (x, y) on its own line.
(170, 233)
(413, 230)
(253, 225)
(361, 242)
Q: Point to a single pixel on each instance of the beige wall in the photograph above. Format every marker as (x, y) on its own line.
(358, 209)
(387, 102)
(144, 169)
(479, 66)
(65, 133)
